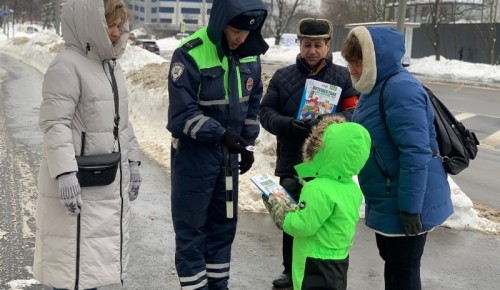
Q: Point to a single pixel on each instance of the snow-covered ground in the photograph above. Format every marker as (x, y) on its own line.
(147, 85)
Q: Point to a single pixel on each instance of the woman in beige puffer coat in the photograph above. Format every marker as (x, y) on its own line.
(82, 233)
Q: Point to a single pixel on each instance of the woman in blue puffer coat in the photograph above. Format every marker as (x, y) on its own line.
(404, 182)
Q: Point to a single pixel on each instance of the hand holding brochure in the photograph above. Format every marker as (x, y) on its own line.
(318, 98)
(268, 186)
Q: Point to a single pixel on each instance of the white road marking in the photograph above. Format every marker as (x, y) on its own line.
(462, 116)
(492, 140)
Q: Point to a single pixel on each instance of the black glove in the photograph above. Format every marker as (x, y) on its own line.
(302, 128)
(246, 162)
(292, 186)
(234, 143)
(411, 223)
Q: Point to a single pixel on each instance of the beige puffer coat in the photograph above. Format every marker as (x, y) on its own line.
(91, 251)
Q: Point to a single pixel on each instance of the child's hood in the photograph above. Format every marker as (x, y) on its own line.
(335, 149)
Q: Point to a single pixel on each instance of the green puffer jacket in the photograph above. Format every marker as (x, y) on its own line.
(325, 223)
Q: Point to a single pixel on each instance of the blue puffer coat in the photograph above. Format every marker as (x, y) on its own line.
(403, 172)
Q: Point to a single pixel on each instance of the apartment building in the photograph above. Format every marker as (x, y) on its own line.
(171, 16)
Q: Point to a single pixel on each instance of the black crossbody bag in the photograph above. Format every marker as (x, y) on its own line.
(99, 170)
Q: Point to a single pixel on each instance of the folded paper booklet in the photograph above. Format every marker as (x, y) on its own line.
(268, 185)
(318, 98)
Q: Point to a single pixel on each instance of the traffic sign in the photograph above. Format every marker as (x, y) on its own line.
(4, 13)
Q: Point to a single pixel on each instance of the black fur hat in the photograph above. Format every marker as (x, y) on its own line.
(314, 28)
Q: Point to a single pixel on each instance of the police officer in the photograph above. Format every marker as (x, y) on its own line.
(215, 87)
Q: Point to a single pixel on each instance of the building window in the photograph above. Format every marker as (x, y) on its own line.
(142, 9)
(166, 9)
(209, 11)
(190, 10)
(154, 10)
(198, 1)
(191, 21)
(168, 0)
(154, 20)
(165, 20)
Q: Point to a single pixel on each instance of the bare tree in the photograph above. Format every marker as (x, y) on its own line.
(491, 7)
(436, 21)
(281, 12)
(24, 10)
(442, 11)
(354, 11)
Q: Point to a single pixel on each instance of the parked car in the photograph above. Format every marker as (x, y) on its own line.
(31, 29)
(181, 35)
(148, 44)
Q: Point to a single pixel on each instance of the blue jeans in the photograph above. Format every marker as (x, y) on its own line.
(402, 257)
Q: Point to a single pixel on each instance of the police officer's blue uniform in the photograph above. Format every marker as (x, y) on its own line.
(211, 89)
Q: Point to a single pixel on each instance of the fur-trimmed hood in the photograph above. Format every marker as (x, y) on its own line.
(84, 29)
(382, 49)
(335, 149)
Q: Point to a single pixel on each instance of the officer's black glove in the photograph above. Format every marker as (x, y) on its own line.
(411, 223)
(292, 186)
(246, 161)
(234, 143)
(302, 128)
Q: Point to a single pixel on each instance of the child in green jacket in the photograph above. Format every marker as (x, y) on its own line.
(324, 223)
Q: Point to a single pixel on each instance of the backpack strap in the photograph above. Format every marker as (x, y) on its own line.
(381, 108)
(381, 164)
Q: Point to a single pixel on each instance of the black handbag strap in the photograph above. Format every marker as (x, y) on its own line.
(116, 119)
(115, 95)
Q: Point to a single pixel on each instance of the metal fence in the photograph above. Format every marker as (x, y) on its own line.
(467, 42)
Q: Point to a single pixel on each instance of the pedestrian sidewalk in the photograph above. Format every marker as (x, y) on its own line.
(453, 259)
(472, 83)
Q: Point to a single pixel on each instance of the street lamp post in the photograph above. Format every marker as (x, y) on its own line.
(401, 16)
(57, 24)
(13, 30)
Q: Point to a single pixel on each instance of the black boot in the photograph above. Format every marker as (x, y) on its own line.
(283, 281)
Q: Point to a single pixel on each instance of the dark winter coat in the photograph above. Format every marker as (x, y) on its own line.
(402, 173)
(281, 103)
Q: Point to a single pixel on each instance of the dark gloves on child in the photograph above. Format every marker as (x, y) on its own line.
(411, 223)
(246, 161)
(277, 209)
(302, 128)
(234, 143)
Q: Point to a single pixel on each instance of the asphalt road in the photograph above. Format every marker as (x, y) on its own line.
(453, 259)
